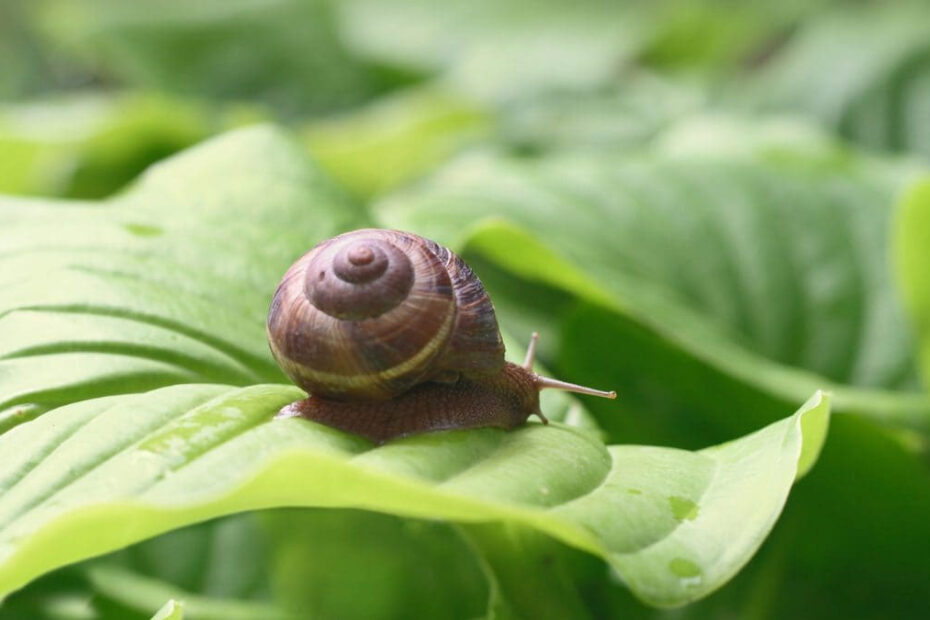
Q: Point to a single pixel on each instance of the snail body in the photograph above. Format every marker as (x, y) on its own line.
(392, 334)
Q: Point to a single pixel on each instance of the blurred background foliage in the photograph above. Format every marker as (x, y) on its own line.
(718, 177)
(123, 84)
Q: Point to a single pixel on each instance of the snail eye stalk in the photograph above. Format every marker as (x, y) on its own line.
(546, 382)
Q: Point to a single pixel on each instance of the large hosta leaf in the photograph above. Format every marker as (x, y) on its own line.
(679, 279)
(775, 274)
(168, 283)
(100, 474)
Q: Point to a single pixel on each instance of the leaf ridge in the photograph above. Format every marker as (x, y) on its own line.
(72, 476)
(210, 372)
(247, 359)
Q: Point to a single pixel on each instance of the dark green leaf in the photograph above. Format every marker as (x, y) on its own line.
(767, 271)
(285, 53)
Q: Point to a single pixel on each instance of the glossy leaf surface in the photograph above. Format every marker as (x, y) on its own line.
(674, 524)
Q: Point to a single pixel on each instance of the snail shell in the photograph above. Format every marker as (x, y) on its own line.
(371, 313)
(392, 335)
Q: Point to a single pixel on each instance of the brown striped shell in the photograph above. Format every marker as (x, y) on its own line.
(371, 313)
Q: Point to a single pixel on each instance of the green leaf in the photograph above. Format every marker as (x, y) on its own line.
(97, 475)
(25, 63)
(396, 139)
(172, 610)
(618, 119)
(168, 283)
(224, 558)
(285, 53)
(323, 559)
(137, 593)
(507, 50)
(534, 576)
(219, 569)
(60, 595)
(719, 35)
(497, 50)
(861, 70)
(912, 254)
(783, 298)
(693, 278)
(90, 146)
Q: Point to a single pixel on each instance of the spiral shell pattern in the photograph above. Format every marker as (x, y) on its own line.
(371, 313)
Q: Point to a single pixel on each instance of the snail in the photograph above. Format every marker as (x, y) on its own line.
(391, 335)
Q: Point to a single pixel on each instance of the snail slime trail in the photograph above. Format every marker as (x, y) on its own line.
(392, 334)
